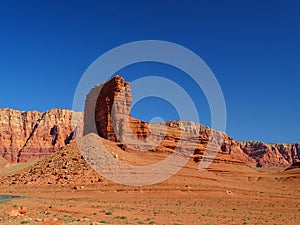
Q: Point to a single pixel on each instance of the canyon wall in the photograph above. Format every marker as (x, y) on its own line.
(271, 155)
(29, 136)
(107, 112)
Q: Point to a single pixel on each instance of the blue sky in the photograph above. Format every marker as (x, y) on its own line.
(252, 47)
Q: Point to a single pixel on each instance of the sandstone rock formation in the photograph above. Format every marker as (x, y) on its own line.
(29, 136)
(107, 112)
(271, 155)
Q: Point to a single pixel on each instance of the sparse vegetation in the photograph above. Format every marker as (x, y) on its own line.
(121, 217)
(108, 212)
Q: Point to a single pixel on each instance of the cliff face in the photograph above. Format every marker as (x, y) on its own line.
(272, 155)
(29, 136)
(107, 112)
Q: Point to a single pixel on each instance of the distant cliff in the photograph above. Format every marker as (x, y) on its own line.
(29, 136)
(108, 110)
(271, 155)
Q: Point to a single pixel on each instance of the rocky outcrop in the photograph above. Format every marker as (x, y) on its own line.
(107, 112)
(64, 167)
(29, 136)
(271, 155)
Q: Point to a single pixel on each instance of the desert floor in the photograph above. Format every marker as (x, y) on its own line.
(223, 194)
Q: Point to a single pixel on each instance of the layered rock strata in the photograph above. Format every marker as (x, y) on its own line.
(107, 113)
(271, 155)
(29, 136)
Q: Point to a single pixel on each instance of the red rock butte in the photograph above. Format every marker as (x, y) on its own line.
(107, 113)
(32, 135)
(107, 109)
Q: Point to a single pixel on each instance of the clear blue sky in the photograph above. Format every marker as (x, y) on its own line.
(253, 48)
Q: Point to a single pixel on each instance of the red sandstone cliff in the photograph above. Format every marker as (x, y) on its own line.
(271, 155)
(29, 136)
(107, 112)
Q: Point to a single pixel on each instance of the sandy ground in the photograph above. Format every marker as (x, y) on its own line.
(223, 194)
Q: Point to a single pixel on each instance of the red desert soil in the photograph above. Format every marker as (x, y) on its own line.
(64, 189)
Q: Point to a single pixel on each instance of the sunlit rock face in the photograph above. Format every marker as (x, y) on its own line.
(272, 155)
(29, 136)
(107, 113)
